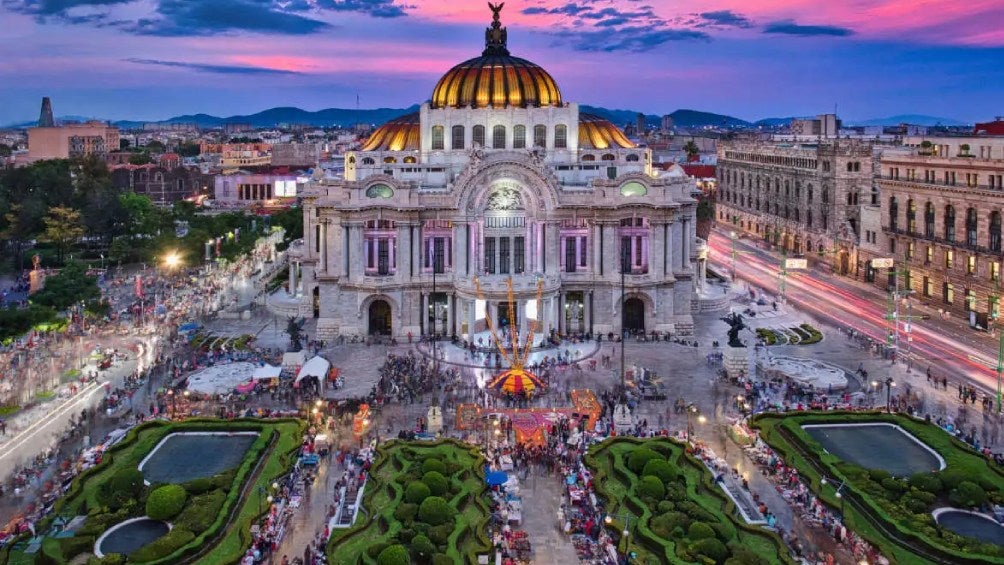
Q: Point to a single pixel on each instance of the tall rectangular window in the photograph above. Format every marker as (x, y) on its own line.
(438, 255)
(582, 251)
(458, 137)
(478, 135)
(519, 255)
(570, 260)
(971, 265)
(383, 257)
(498, 137)
(490, 255)
(560, 136)
(437, 138)
(949, 258)
(504, 255)
(995, 271)
(519, 137)
(540, 135)
(625, 258)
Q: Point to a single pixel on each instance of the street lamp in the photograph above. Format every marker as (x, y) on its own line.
(839, 494)
(609, 519)
(733, 235)
(692, 410)
(890, 383)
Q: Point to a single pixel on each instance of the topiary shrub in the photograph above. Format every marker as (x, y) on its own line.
(422, 548)
(664, 524)
(129, 481)
(374, 550)
(394, 555)
(711, 548)
(74, 546)
(437, 483)
(660, 468)
(433, 465)
(651, 487)
(201, 511)
(199, 486)
(440, 534)
(162, 546)
(416, 492)
(435, 511)
(165, 502)
(699, 531)
(405, 512)
(968, 494)
(112, 559)
(441, 559)
(742, 555)
(638, 458)
(927, 482)
(676, 492)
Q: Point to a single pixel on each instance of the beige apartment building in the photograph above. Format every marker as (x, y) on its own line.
(805, 198)
(72, 140)
(941, 222)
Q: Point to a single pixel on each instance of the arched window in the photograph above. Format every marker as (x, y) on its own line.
(928, 220)
(995, 231)
(478, 134)
(368, 161)
(498, 137)
(972, 220)
(608, 157)
(410, 159)
(519, 137)
(352, 159)
(850, 167)
(389, 160)
(437, 138)
(589, 157)
(540, 135)
(950, 222)
(893, 213)
(458, 137)
(560, 136)
(632, 157)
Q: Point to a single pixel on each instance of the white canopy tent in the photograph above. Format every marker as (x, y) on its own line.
(316, 367)
(266, 372)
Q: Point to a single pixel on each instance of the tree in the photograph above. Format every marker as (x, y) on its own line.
(293, 328)
(140, 159)
(63, 228)
(189, 149)
(68, 287)
(124, 144)
(692, 151)
(155, 146)
(17, 232)
(140, 216)
(165, 502)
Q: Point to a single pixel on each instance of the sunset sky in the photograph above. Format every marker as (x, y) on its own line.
(152, 59)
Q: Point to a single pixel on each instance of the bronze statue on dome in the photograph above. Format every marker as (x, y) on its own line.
(495, 36)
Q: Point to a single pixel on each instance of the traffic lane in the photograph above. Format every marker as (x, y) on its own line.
(956, 356)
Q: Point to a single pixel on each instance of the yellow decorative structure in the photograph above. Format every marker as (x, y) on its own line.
(597, 133)
(516, 379)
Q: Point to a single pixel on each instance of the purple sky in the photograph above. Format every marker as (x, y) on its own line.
(152, 59)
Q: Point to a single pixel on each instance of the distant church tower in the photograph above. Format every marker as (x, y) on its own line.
(45, 117)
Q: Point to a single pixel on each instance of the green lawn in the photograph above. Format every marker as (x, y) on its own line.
(218, 530)
(687, 519)
(894, 514)
(388, 518)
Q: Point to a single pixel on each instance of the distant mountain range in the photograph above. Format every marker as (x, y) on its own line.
(346, 117)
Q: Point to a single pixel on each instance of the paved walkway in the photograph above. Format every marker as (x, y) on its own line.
(542, 496)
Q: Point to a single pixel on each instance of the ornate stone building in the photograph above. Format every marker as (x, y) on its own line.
(497, 178)
(805, 198)
(941, 222)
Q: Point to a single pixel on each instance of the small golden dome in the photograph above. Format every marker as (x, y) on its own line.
(496, 79)
(399, 134)
(597, 133)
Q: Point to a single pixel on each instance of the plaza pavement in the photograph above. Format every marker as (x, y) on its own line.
(684, 371)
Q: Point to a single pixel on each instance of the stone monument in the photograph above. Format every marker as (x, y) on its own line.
(735, 356)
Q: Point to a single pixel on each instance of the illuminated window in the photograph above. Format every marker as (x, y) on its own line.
(949, 258)
(995, 271)
(971, 265)
(379, 191)
(633, 188)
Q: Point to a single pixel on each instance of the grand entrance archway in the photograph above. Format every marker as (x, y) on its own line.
(503, 315)
(379, 318)
(633, 318)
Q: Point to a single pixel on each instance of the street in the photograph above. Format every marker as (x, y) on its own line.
(948, 346)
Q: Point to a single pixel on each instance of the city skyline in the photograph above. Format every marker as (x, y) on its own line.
(153, 59)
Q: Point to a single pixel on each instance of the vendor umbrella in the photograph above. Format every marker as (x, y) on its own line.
(496, 478)
(516, 381)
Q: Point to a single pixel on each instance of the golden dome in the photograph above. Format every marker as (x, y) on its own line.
(597, 133)
(399, 134)
(496, 79)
